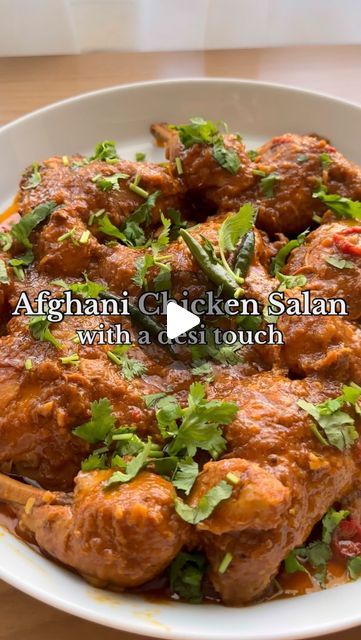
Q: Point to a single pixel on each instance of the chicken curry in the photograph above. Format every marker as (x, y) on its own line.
(230, 472)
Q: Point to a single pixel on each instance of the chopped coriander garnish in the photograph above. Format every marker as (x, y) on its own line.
(227, 559)
(69, 235)
(39, 329)
(140, 156)
(130, 367)
(132, 468)
(72, 359)
(232, 478)
(87, 289)
(22, 229)
(252, 154)
(28, 364)
(317, 553)
(146, 262)
(268, 183)
(134, 186)
(109, 183)
(202, 369)
(178, 164)
(6, 240)
(290, 282)
(199, 131)
(343, 207)
(109, 229)
(354, 567)
(339, 263)
(200, 422)
(185, 475)
(65, 161)
(303, 157)
(19, 262)
(34, 178)
(337, 426)
(105, 151)
(325, 160)
(4, 278)
(151, 399)
(226, 158)
(101, 422)
(206, 505)
(186, 575)
(84, 238)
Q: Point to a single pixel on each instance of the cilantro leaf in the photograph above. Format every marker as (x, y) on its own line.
(338, 427)
(235, 226)
(94, 461)
(109, 183)
(87, 289)
(21, 261)
(252, 154)
(185, 475)
(226, 158)
(109, 229)
(130, 367)
(6, 240)
(177, 222)
(343, 207)
(152, 399)
(290, 282)
(331, 521)
(202, 369)
(4, 278)
(132, 467)
(317, 553)
(101, 423)
(339, 263)
(325, 160)
(34, 178)
(354, 567)
(206, 505)
(39, 329)
(22, 229)
(267, 182)
(201, 421)
(199, 131)
(105, 151)
(186, 575)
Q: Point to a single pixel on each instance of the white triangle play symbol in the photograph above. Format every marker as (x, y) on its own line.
(179, 320)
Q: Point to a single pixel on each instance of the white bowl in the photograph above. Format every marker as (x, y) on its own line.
(258, 111)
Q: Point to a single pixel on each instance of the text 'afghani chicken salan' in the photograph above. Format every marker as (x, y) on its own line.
(225, 473)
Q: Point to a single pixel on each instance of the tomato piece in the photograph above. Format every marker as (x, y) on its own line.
(346, 244)
(346, 540)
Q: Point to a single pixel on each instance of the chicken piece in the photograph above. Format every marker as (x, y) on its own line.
(79, 187)
(64, 246)
(39, 407)
(119, 537)
(299, 164)
(258, 500)
(271, 431)
(205, 181)
(332, 347)
(340, 241)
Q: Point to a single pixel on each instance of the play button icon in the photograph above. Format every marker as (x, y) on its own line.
(179, 320)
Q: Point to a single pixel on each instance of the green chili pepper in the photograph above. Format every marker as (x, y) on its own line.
(210, 267)
(245, 254)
